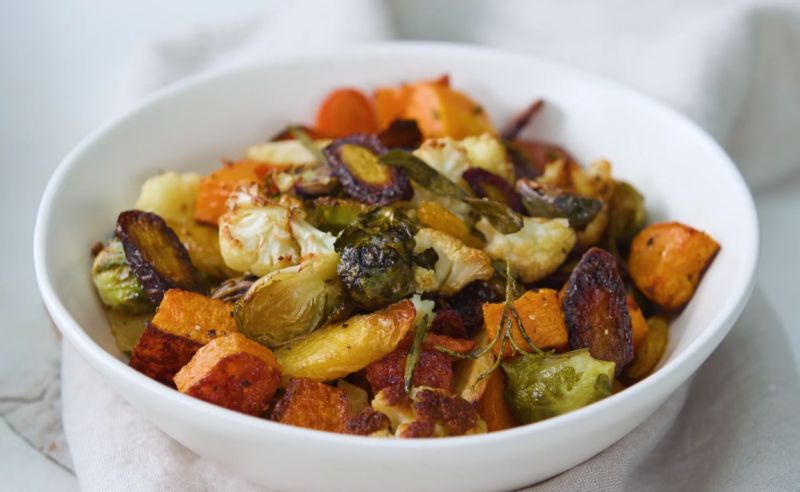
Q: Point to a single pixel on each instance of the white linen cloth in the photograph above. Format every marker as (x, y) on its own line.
(731, 66)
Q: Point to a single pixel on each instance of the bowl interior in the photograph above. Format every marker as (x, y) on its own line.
(681, 172)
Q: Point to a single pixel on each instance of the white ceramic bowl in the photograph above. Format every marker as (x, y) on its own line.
(683, 174)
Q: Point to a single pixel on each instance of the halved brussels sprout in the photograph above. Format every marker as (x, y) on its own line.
(331, 214)
(548, 201)
(541, 386)
(354, 159)
(291, 302)
(117, 286)
(376, 258)
(626, 216)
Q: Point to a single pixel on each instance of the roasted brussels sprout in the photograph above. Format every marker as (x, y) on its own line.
(116, 284)
(233, 289)
(127, 327)
(354, 159)
(551, 202)
(331, 214)
(291, 302)
(376, 258)
(541, 386)
(155, 254)
(489, 185)
(626, 216)
(651, 351)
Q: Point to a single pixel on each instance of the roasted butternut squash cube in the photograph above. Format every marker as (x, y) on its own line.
(233, 372)
(542, 319)
(312, 405)
(434, 369)
(667, 261)
(184, 322)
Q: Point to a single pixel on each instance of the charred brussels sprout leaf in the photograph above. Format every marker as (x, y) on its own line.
(547, 201)
(331, 214)
(291, 302)
(401, 134)
(542, 386)
(419, 171)
(155, 254)
(498, 214)
(376, 258)
(354, 159)
(489, 185)
(233, 289)
(117, 286)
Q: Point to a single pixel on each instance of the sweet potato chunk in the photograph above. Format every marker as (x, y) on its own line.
(668, 260)
(160, 355)
(542, 319)
(596, 309)
(233, 372)
(194, 316)
(215, 188)
(184, 322)
(492, 406)
(312, 405)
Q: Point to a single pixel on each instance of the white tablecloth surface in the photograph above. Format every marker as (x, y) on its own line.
(730, 66)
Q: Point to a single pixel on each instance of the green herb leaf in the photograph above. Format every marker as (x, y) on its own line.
(420, 330)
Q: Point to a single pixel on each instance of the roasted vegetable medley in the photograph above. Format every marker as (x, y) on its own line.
(398, 268)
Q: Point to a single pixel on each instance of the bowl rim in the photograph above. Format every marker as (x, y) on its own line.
(220, 418)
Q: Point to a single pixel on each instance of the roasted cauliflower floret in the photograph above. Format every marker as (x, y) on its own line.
(255, 233)
(534, 251)
(457, 265)
(452, 157)
(427, 412)
(260, 235)
(170, 195)
(285, 152)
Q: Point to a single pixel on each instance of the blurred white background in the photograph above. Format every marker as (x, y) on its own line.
(61, 65)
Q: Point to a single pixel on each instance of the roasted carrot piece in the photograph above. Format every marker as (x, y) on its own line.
(542, 319)
(346, 111)
(443, 112)
(215, 188)
(492, 406)
(390, 104)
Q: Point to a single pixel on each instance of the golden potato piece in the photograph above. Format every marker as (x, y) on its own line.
(651, 351)
(542, 319)
(233, 372)
(312, 405)
(668, 260)
(638, 324)
(339, 349)
(194, 316)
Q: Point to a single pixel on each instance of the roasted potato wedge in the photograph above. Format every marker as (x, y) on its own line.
(339, 349)
(668, 260)
(651, 351)
(312, 405)
(233, 372)
(467, 374)
(155, 254)
(596, 309)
